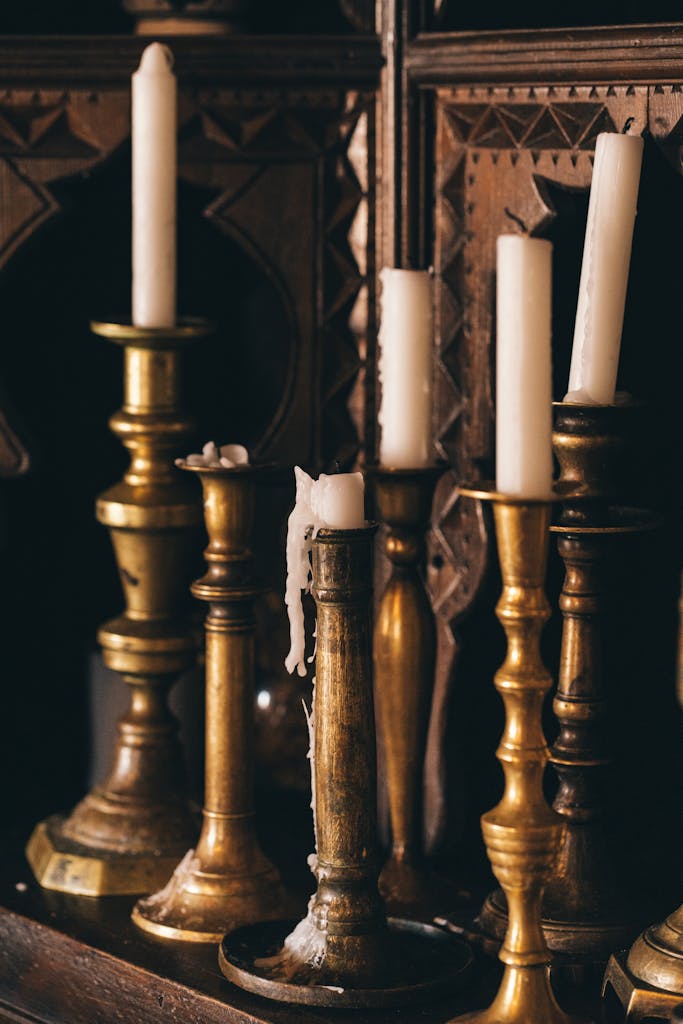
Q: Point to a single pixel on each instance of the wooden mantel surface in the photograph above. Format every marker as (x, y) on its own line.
(76, 960)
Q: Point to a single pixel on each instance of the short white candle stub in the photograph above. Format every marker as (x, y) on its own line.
(228, 456)
(335, 502)
(604, 271)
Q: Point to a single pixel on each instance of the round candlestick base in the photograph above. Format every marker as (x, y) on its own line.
(420, 961)
(197, 904)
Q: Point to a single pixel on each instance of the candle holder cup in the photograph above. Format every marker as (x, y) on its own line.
(226, 880)
(125, 836)
(404, 655)
(344, 953)
(522, 834)
(585, 914)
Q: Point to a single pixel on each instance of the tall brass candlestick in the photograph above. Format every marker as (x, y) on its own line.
(585, 915)
(522, 834)
(227, 880)
(126, 835)
(404, 650)
(343, 953)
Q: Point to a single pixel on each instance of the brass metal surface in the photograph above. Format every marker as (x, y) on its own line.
(639, 1000)
(522, 834)
(585, 914)
(139, 814)
(404, 655)
(343, 947)
(227, 880)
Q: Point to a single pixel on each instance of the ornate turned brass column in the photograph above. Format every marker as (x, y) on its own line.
(404, 651)
(344, 952)
(522, 834)
(585, 915)
(227, 880)
(126, 835)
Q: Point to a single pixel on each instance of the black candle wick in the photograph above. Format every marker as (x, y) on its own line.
(517, 220)
(627, 124)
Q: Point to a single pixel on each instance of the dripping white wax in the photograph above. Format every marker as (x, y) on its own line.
(334, 502)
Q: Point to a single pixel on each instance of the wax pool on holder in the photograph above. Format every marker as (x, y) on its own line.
(335, 502)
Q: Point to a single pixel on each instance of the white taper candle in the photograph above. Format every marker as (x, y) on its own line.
(405, 369)
(523, 367)
(604, 271)
(154, 135)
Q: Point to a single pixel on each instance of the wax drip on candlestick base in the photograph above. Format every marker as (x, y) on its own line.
(344, 953)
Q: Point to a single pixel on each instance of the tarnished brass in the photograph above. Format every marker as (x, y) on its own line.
(343, 953)
(226, 880)
(648, 982)
(522, 834)
(404, 653)
(585, 914)
(126, 835)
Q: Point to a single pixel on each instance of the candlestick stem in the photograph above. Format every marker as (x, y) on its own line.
(522, 834)
(585, 915)
(227, 880)
(344, 953)
(126, 835)
(404, 650)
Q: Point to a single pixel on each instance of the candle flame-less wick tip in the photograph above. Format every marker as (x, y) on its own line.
(627, 125)
(516, 219)
(157, 59)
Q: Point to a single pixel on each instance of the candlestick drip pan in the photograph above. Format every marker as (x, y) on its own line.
(425, 962)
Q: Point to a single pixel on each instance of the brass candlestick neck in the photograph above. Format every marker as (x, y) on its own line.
(343, 953)
(227, 880)
(585, 917)
(127, 834)
(522, 834)
(404, 652)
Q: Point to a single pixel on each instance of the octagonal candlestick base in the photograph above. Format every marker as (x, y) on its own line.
(226, 880)
(127, 834)
(522, 834)
(344, 953)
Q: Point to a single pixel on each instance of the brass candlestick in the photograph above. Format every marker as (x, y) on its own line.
(522, 834)
(585, 915)
(344, 953)
(404, 651)
(126, 835)
(227, 880)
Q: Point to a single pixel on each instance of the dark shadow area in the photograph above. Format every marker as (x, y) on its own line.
(458, 17)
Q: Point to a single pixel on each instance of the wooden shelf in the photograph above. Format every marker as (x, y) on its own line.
(76, 960)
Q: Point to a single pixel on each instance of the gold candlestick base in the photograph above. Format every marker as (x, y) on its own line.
(648, 982)
(126, 835)
(404, 655)
(344, 953)
(522, 834)
(227, 880)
